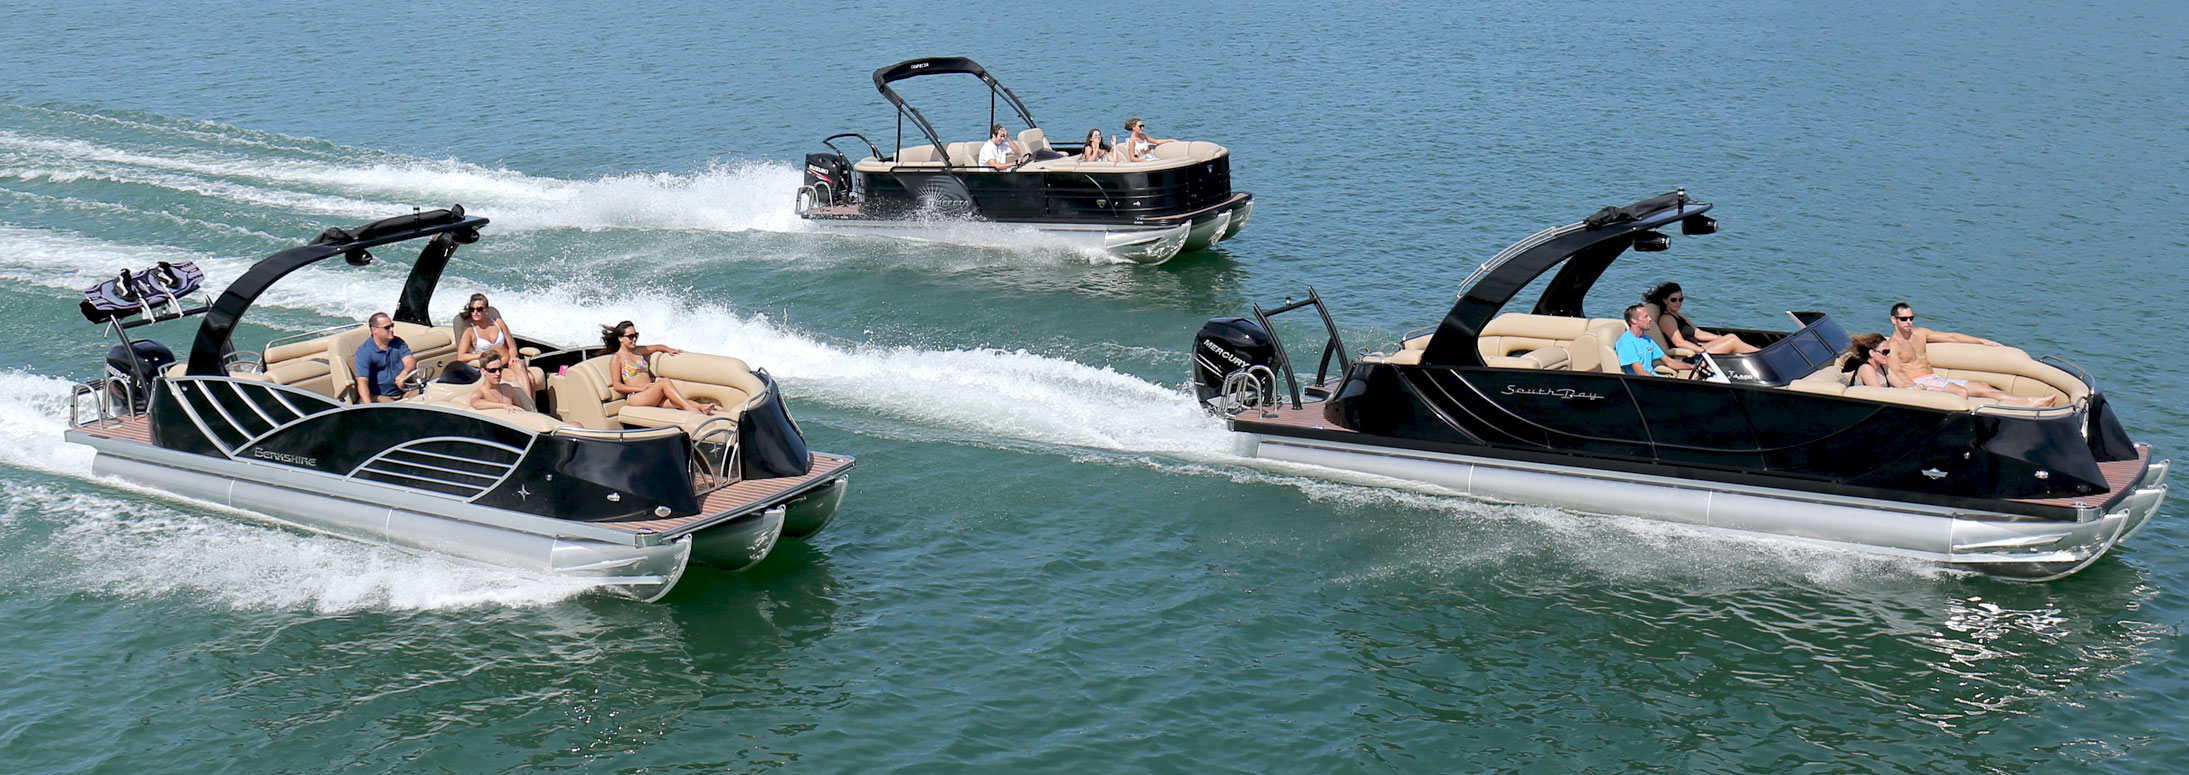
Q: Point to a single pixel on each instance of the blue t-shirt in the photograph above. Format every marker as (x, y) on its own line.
(380, 367)
(1634, 349)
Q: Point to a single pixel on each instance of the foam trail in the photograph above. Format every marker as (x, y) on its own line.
(155, 543)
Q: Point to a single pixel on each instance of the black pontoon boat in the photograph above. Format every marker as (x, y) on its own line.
(1146, 211)
(1531, 407)
(599, 492)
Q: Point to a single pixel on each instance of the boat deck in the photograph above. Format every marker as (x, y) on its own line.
(2118, 475)
(737, 498)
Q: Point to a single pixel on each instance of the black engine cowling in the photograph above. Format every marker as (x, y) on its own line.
(134, 365)
(1224, 347)
(829, 176)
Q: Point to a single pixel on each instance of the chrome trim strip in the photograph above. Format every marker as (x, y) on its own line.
(389, 459)
(182, 402)
(237, 389)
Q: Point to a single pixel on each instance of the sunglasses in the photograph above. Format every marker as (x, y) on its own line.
(632, 335)
(1903, 317)
(1675, 299)
(494, 370)
(388, 327)
(477, 310)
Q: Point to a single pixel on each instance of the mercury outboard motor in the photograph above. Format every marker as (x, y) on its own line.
(130, 370)
(829, 177)
(1224, 347)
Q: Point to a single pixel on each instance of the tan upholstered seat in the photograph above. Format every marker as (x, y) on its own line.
(1034, 140)
(583, 396)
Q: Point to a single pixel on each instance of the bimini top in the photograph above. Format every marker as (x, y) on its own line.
(220, 321)
(914, 68)
(1585, 248)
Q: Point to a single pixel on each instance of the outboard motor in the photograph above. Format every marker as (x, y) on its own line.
(1226, 346)
(828, 175)
(130, 369)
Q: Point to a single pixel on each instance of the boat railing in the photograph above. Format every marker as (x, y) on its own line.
(1249, 388)
(104, 401)
(714, 455)
(310, 335)
(1334, 346)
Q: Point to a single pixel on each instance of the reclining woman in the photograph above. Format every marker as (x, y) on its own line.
(1868, 357)
(484, 331)
(629, 374)
(495, 391)
(1681, 333)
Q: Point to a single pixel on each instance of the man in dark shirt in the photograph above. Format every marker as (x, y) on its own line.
(383, 363)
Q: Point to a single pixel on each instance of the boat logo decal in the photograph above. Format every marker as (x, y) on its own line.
(1934, 473)
(1565, 394)
(523, 493)
(1223, 353)
(284, 457)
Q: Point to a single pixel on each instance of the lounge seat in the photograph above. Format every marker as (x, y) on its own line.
(458, 398)
(583, 397)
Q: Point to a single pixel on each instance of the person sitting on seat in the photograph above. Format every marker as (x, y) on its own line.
(1138, 146)
(496, 391)
(383, 363)
(999, 153)
(1868, 356)
(629, 374)
(486, 332)
(1910, 361)
(1096, 150)
(1681, 333)
(1638, 354)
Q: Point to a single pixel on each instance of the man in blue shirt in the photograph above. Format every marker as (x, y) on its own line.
(1637, 352)
(383, 363)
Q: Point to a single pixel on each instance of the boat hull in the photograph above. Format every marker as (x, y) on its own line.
(1992, 543)
(1135, 243)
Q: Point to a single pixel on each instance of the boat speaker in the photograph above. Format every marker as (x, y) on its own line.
(1652, 241)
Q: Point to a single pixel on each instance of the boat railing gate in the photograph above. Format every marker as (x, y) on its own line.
(1249, 388)
(1334, 346)
(711, 472)
(105, 402)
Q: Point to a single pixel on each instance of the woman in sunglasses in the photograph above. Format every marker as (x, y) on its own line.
(1681, 333)
(485, 332)
(1096, 150)
(495, 391)
(630, 375)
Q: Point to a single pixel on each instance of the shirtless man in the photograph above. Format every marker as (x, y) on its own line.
(1909, 355)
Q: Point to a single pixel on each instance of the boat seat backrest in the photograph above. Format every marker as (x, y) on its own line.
(1034, 140)
(965, 154)
(1515, 332)
(1597, 351)
(302, 365)
(2007, 368)
(917, 153)
(1196, 150)
(582, 395)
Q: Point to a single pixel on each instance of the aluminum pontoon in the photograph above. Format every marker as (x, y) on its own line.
(590, 489)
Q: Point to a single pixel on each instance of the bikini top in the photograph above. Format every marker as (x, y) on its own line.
(632, 367)
(479, 344)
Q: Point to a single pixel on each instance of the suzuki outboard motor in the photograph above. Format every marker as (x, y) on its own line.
(829, 177)
(1226, 346)
(130, 370)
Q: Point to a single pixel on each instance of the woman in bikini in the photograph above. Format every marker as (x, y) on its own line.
(1866, 357)
(629, 374)
(1681, 333)
(485, 333)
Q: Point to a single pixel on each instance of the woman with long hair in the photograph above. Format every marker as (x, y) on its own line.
(1681, 333)
(630, 375)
